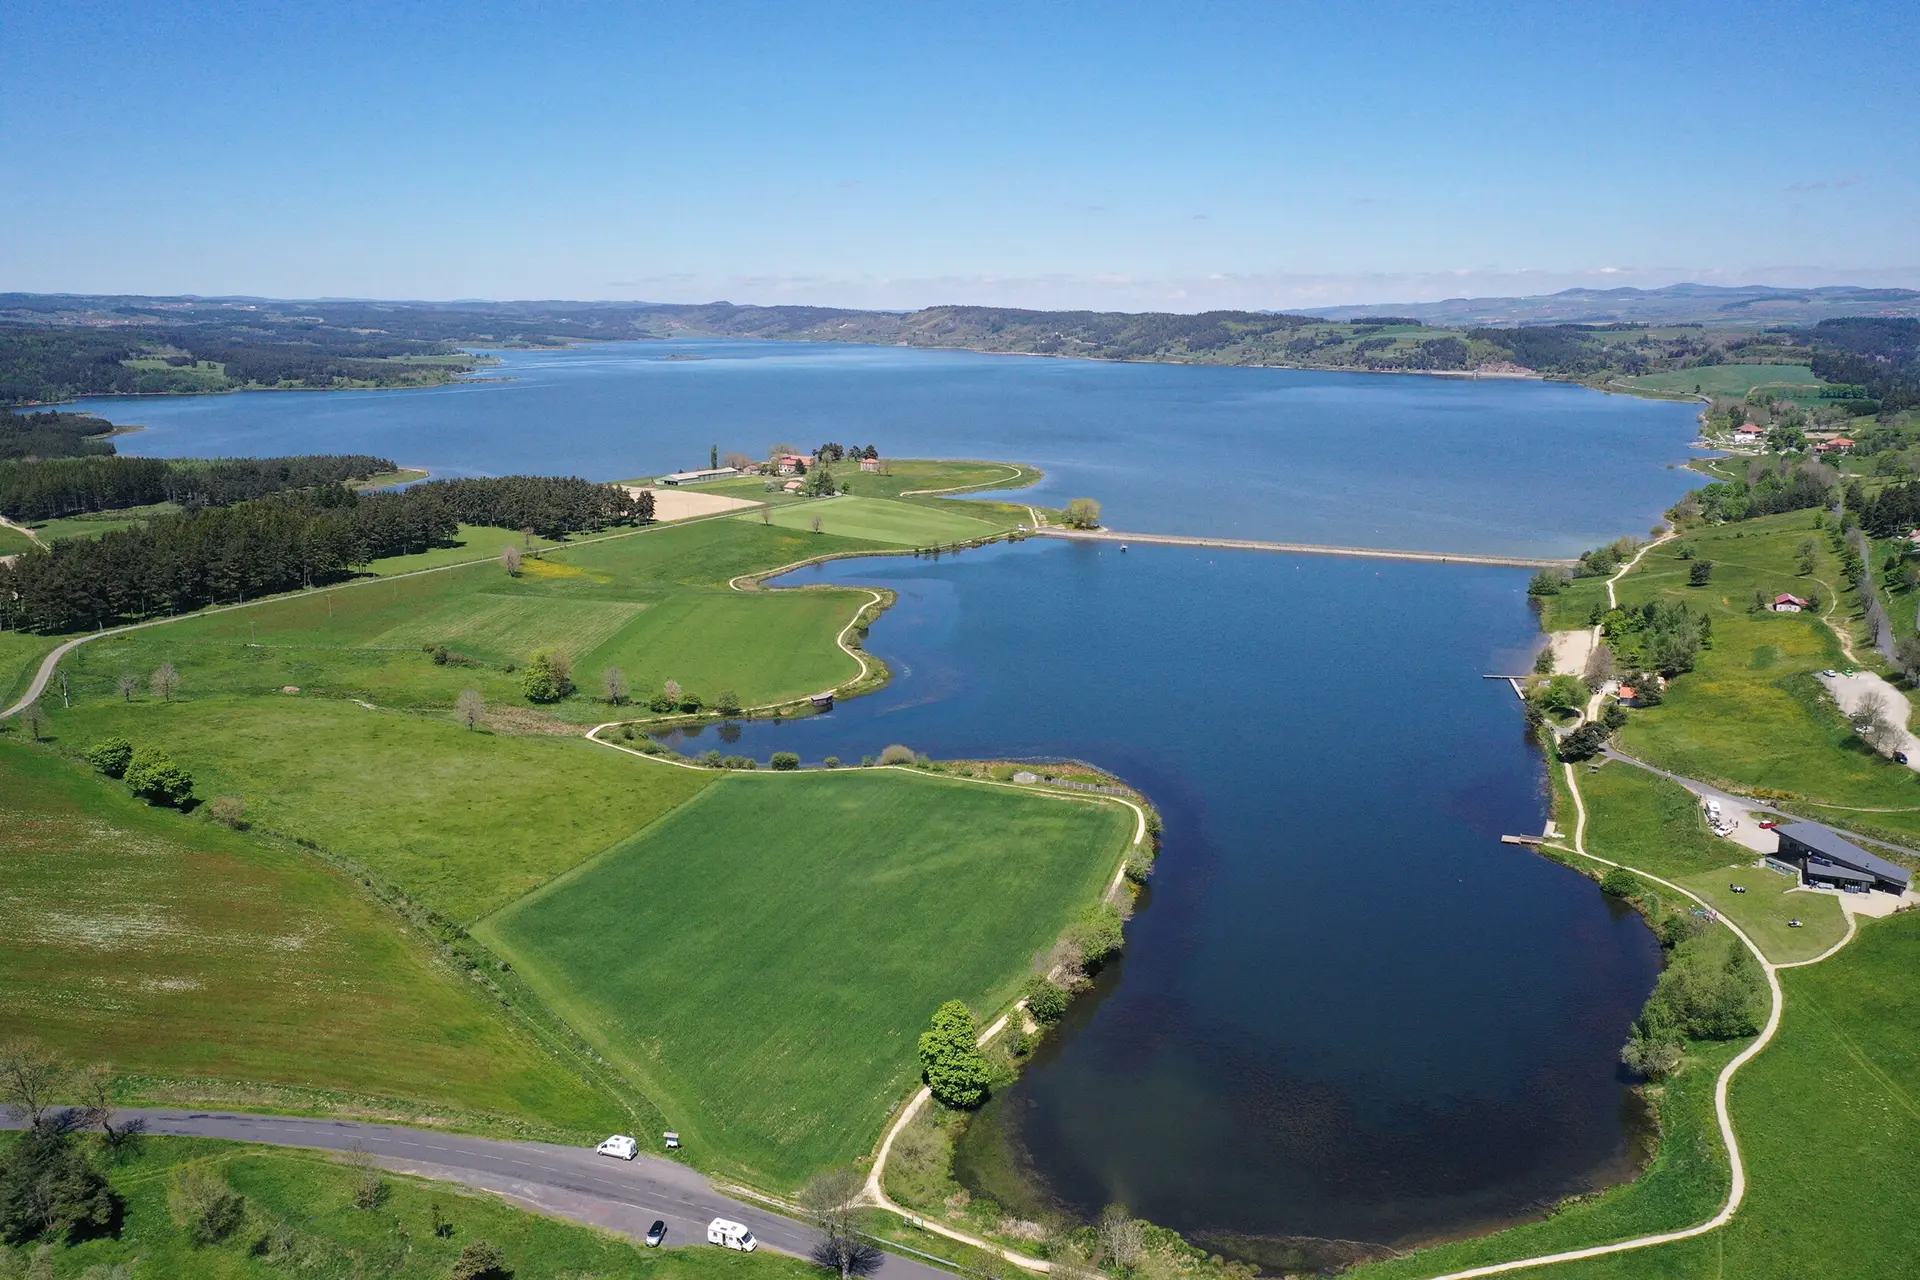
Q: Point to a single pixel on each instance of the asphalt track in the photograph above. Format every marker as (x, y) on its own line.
(624, 1196)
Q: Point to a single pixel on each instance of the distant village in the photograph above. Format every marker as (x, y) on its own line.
(782, 461)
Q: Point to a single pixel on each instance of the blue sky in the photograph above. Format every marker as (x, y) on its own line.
(1128, 156)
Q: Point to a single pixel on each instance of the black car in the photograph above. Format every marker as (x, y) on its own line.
(655, 1234)
(1899, 757)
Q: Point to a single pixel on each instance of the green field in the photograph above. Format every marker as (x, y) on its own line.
(13, 542)
(885, 520)
(1751, 714)
(466, 821)
(1732, 379)
(95, 523)
(20, 655)
(764, 958)
(1770, 901)
(470, 542)
(220, 969)
(306, 1200)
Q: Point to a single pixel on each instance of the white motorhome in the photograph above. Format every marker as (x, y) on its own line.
(620, 1147)
(731, 1235)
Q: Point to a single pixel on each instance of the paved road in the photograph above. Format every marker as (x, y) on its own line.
(566, 1182)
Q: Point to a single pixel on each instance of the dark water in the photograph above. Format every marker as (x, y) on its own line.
(1375, 460)
(1349, 1011)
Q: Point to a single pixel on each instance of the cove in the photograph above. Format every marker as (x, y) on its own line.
(1348, 1012)
(1383, 460)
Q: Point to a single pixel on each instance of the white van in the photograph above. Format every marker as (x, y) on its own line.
(620, 1147)
(732, 1235)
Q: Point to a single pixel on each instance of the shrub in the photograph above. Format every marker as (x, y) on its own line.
(1097, 933)
(547, 678)
(1620, 883)
(1654, 1057)
(897, 754)
(955, 1069)
(111, 756)
(1046, 1002)
(832, 762)
(712, 758)
(228, 811)
(690, 702)
(785, 760)
(660, 703)
(727, 702)
(479, 1261)
(204, 1206)
(154, 777)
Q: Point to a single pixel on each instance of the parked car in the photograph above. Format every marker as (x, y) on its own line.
(620, 1147)
(655, 1234)
(1899, 757)
(1793, 924)
(1769, 824)
(1738, 888)
(731, 1235)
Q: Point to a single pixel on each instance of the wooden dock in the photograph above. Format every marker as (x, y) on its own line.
(1303, 548)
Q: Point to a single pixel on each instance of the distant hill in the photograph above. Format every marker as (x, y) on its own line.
(1707, 304)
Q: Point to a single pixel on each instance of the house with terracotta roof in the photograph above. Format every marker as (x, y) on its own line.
(1786, 602)
(1839, 444)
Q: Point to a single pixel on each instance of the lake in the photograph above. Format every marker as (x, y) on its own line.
(1497, 467)
(1347, 1012)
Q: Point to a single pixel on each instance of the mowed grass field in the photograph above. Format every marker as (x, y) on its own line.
(656, 605)
(465, 821)
(1751, 714)
(12, 541)
(765, 957)
(886, 520)
(1733, 379)
(188, 953)
(308, 1198)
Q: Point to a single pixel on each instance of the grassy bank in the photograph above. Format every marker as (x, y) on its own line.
(208, 965)
(300, 1218)
(765, 956)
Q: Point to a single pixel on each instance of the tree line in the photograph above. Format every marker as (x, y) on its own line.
(302, 538)
(45, 489)
(53, 435)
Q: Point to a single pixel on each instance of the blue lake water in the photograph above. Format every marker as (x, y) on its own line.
(1347, 1011)
(1359, 459)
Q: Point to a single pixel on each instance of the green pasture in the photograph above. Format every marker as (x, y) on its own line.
(1770, 901)
(371, 640)
(305, 1199)
(13, 542)
(94, 523)
(20, 655)
(1732, 379)
(470, 542)
(884, 520)
(209, 966)
(1643, 820)
(1751, 714)
(466, 821)
(1830, 1104)
(763, 958)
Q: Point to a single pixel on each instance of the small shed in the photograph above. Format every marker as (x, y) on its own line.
(869, 464)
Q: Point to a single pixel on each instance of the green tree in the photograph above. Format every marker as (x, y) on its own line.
(727, 702)
(1083, 513)
(49, 1191)
(1046, 1002)
(548, 677)
(1098, 934)
(479, 1261)
(204, 1206)
(154, 777)
(955, 1069)
(785, 760)
(111, 756)
(1620, 883)
(1699, 573)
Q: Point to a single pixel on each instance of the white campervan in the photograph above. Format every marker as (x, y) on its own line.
(620, 1147)
(732, 1235)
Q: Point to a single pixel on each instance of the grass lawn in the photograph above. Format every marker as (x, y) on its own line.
(1751, 714)
(1571, 608)
(1771, 899)
(95, 523)
(1829, 1104)
(198, 958)
(764, 958)
(1645, 821)
(465, 821)
(13, 542)
(885, 520)
(307, 1200)
(470, 542)
(1732, 379)
(369, 640)
(20, 655)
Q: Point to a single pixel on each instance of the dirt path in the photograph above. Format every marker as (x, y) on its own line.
(31, 536)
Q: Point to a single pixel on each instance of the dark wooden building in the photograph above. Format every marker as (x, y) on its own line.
(1825, 857)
